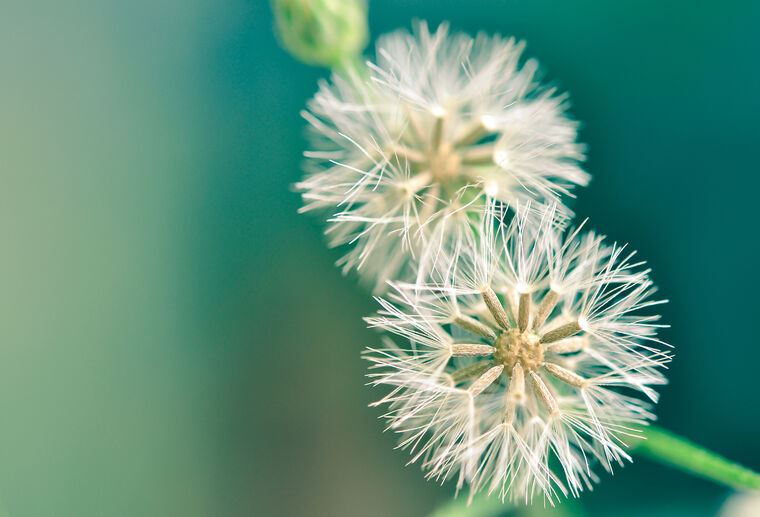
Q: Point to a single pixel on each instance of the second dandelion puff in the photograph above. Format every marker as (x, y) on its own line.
(407, 152)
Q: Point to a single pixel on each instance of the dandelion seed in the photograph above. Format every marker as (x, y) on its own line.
(406, 153)
(525, 355)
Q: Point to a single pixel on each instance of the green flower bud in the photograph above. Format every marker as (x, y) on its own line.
(322, 32)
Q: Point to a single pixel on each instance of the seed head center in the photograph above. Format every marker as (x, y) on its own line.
(513, 346)
(444, 162)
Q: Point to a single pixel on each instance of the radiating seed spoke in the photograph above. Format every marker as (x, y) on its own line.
(418, 181)
(470, 371)
(471, 350)
(545, 308)
(476, 327)
(414, 125)
(566, 375)
(495, 307)
(568, 345)
(517, 382)
(479, 155)
(408, 153)
(543, 393)
(523, 312)
(475, 133)
(567, 330)
(438, 132)
(515, 393)
(485, 380)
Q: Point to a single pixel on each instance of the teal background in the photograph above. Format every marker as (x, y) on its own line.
(174, 338)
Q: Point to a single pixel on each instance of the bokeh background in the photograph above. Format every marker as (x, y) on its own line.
(174, 338)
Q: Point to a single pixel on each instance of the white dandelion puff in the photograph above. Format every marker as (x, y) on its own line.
(406, 152)
(521, 382)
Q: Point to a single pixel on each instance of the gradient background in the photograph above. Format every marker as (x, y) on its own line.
(174, 338)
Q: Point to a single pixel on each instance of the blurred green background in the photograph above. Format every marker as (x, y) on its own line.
(175, 339)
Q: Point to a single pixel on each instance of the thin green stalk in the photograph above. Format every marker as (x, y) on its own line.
(677, 452)
(658, 445)
(352, 63)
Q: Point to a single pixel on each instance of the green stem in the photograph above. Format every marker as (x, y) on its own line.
(677, 452)
(351, 63)
(658, 445)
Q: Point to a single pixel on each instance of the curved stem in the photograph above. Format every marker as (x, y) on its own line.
(677, 452)
(658, 445)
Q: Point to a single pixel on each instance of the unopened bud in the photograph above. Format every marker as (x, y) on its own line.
(322, 32)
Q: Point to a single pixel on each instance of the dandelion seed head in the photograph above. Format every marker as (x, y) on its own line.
(434, 127)
(509, 386)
